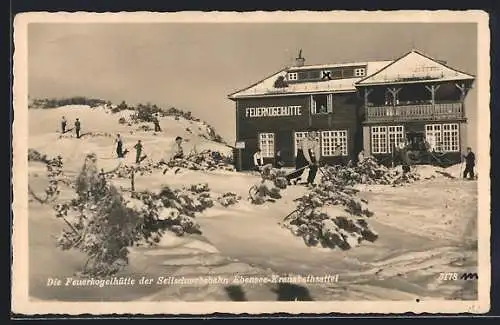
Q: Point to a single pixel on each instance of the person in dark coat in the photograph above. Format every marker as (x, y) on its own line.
(63, 124)
(77, 127)
(308, 155)
(470, 162)
(177, 152)
(119, 146)
(278, 161)
(157, 124)
(138, 151)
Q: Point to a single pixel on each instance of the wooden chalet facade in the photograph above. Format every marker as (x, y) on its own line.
(366, 106)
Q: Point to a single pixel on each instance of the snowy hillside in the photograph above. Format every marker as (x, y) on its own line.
(100, 127)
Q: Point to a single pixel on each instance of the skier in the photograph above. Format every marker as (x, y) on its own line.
(278, 160)
(403, 155)
(258, 160)
(77, 128)
(157, 124)
(307, 156)
(470, 162)
(177, 152)
(63, 124)
(138, 151)
(119, 146)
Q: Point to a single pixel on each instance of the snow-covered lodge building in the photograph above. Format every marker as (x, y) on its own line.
(358, 106)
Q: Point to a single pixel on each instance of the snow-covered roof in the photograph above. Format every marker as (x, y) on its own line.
(266, 87)
(414, 67)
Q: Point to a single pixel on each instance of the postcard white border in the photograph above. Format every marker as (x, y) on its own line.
(23, 305)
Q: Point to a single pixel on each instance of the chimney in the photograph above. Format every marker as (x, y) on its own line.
(299, 61)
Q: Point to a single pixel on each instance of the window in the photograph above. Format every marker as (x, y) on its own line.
(379, 139)
(385, 138)
(266, 144)
(292, 76)
(359, 72)
(433, 136)
(321, 104)
(450, 138)
(395, 135)
(298, 137)
(331, 139)
(443, 137)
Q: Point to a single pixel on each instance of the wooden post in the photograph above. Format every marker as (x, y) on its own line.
(392, 155)
(394, 92)
(239, 159)
(132, 181)
(367, 93)
(432, 89)
(462, 89)
(310, 109)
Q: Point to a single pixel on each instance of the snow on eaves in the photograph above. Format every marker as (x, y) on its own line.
(266, 86)
(414, 67)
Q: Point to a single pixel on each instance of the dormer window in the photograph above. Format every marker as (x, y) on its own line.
(292, 76)
(359, 72)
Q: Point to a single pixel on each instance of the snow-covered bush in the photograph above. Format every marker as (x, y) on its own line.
(228, 199)
(331, 215)
(369, 171)
(268, 189)
(206, 160)
(103, 223)
(34, 155)
(55, 176)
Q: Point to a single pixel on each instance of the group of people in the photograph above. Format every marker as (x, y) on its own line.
(77, 124)
(308, 156)
(176, 152)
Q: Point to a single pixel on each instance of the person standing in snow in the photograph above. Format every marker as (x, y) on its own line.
(258, 160)
(337, 154)
(157, 124)
(278, 160)
(470, 162)
(308, 155)
(63, 124)
(177, 152)
(361, 156)
(77, 128)
(138, 151)
(119, 146)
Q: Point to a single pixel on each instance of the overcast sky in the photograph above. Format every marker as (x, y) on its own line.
(195, 66)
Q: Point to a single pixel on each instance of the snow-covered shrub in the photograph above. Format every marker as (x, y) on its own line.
(199, 188)
(268, 189)
(56, 177)
(34, 155)
(206, 160)
(344, 228)
(369, 171)
(103, 223)
(228, 199)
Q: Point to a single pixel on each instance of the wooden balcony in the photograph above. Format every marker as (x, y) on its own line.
(429, 112)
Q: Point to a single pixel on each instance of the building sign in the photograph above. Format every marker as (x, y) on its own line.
(240, 145)
(274, 111)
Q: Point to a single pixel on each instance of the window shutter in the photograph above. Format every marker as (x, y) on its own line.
(329, 104)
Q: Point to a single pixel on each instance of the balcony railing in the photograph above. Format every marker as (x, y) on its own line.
(440, 111)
